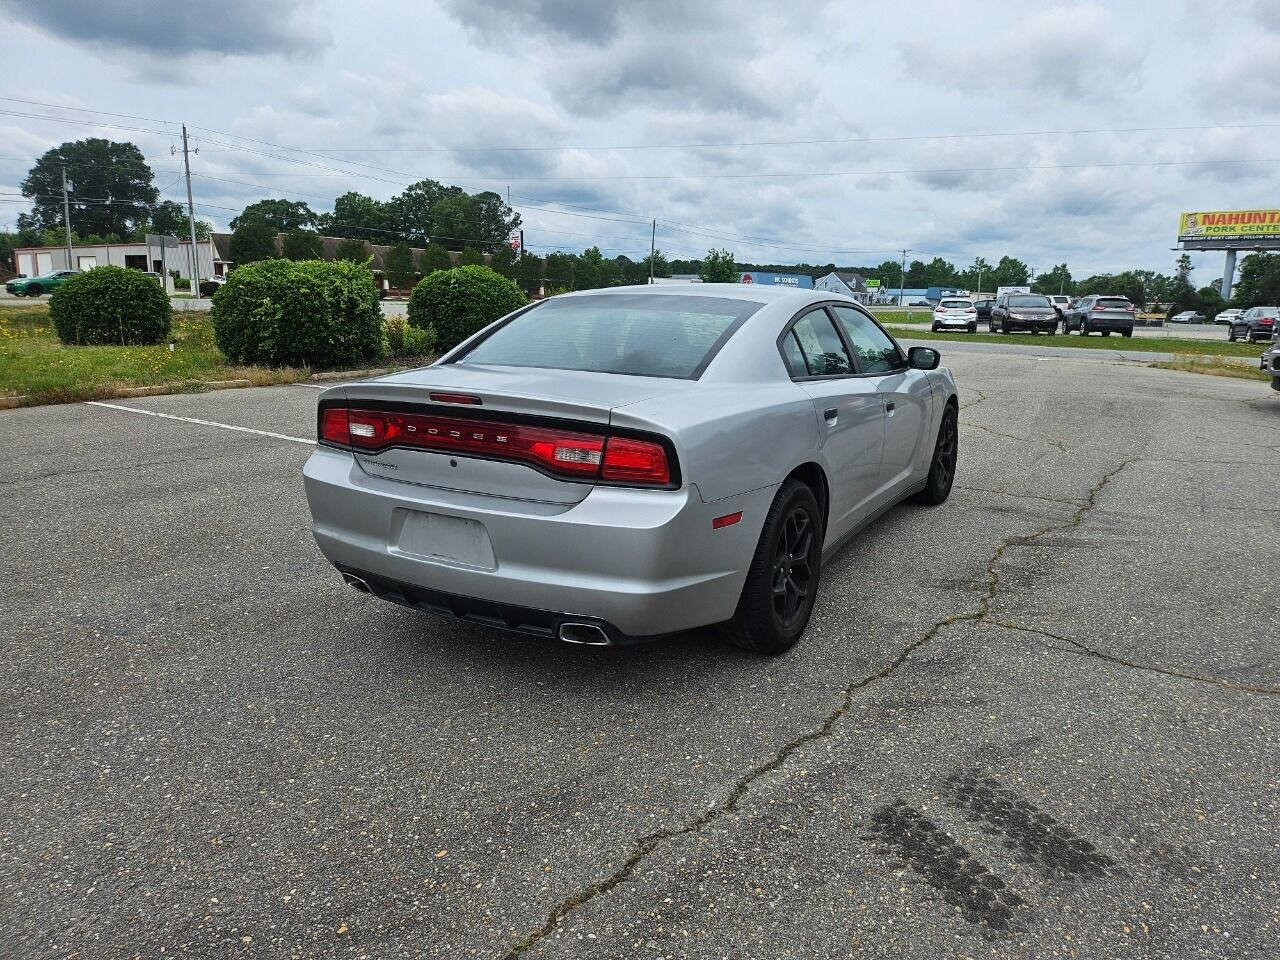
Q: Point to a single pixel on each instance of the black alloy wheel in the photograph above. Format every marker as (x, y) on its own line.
(782, 581)
(794, 563)
(942, 469)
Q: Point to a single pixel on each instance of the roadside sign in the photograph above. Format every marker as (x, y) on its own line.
(162, 241)
(872, 284)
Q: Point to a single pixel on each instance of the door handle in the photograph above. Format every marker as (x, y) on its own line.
(889, 406)
(831, 414)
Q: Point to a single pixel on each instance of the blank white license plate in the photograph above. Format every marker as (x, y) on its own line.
(435, 536)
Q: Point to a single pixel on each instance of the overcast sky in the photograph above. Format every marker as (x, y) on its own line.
(393, 92)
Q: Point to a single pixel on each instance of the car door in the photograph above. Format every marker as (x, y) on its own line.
(906, 394)
(850, 416)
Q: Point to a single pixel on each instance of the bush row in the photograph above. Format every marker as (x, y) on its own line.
(291, 312)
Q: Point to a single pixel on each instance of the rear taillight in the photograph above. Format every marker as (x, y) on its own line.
(627, 460)
(971, 310)
(1099, 307)
(573, 454)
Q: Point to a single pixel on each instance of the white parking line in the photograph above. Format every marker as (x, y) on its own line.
(203, 423)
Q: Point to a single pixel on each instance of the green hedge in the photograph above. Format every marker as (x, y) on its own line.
(295, 313)
(111, 305)
(456, 303)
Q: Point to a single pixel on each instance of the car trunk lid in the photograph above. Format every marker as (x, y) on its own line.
(493, 408)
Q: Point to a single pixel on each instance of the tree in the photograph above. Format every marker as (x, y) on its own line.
(1010, 273)
(470, 257)
(253, 241)
(718, 267)
(355, 215)
(560, 270)
(503, 260)
(8, 242)
(661, 267)
(434, 257)
(915, 274)
(888, 273)
(1057, 280)
(302, 245)
(398, 265)
(352, 250)
(170, 219)
(99, 171)
(1259, 282)
(411, 213)
(282, 215)
(529, 269)
(939, 273)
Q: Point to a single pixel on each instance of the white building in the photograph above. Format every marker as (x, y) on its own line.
(36, 261)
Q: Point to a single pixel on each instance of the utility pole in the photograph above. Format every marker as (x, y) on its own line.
(66, 218)
(653, 238)
(902, 282)
(978, 292)
(191, 217)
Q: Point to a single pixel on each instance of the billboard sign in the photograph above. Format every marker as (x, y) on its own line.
(778, 279)
(1229, 225)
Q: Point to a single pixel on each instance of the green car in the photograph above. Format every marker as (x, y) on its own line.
(34, 286)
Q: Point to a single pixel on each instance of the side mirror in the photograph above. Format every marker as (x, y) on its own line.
(923, 358)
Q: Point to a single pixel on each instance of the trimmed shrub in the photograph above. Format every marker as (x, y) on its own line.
(181, 283)
(295, 313)
(417, 343)
(394, 327)
(208, 288)
(456, 303)
(111, 305)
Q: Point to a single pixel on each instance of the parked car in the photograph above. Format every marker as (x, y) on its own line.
(1023, 311)
(983, 307)
(35, 286)
(1229, 316)
(919, 303)
(955, 314)
(613, 464)
(1258, 323)
(1060, 303)
(1187, 316)
(1271, 362)
(1101, 314)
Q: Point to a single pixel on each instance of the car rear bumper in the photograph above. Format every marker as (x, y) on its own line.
(638, 562)
(955, 323)
(1260, 333)
(1121, 324)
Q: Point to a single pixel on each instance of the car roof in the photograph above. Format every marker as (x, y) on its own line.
(753, 292)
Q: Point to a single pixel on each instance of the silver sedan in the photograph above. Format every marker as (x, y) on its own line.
(617, 464)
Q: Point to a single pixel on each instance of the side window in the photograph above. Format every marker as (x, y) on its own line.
(823, 351)
(876, 352)
(794, 356)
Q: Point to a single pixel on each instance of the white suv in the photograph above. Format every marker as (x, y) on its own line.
(954, 313)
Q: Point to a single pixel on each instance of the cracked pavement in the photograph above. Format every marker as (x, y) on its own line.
(1039, 720)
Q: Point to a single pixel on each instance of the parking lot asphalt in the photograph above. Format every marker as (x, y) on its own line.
(1040, 720)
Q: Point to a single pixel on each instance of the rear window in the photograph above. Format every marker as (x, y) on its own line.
(1029, 301)
(1268, 311)
(639, 334)
(1113, 303)
(955, 303)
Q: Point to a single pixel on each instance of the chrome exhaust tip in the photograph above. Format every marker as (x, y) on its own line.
(588, 634)
(356, 582)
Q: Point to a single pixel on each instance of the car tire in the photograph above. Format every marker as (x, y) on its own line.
(972, 328)
(1084, 329)
(933, 328)
(1231, 334)
(1004, 328)
(942, 468)
(34, 290)
(1106, 333)
(758, 624)
(1128, 333)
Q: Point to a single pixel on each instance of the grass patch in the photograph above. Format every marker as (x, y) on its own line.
(1203, 348)
(902, 315)
(1214, 367)
(36, 367)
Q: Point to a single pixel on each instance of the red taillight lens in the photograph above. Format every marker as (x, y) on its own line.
(333, 425)
(569, 453)
(635, 461)
(1100, 307)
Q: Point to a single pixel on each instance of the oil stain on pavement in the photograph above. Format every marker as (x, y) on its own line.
(1040, 840)
(963, 882)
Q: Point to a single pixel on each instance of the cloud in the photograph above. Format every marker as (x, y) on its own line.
(159, 28)
(579, 20)
(1075, 52)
